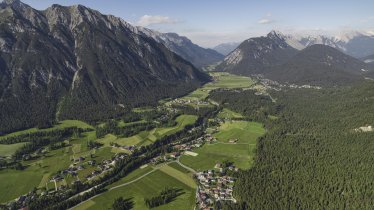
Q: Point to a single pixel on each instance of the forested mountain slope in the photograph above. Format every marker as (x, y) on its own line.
(311, 156)
(75, 63)
(320, 65)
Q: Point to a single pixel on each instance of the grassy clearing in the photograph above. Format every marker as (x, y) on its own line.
(15, 183)
(62, 124)
(179, 175)
(179, 168)
(76, 148)
(123, 124)
(107, 139)
(133, 175)
(222, 80)
(182, 121)
(227, 113)
(8, 150)
(241, 153)
(148, 186)
(143, 109)
(245, 132)
(209, 155)
(148, 137)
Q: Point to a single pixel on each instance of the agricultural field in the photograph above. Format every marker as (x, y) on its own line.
(149, 186)
(132, 176)
(244, 131)
(240, 153)
(147, 137)
(221, 80)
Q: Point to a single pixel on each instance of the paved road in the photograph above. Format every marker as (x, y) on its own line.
(135, 180)
(184, 166)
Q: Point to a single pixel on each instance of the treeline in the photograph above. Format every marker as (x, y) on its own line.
(124, 131)
(36, 141)
(311, 157)
(252, 106)
(122, 204)
(166, 196)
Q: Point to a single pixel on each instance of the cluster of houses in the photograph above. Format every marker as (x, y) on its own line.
(199, 142)
(165, 158)
(79, 164)
(179, 148)
(105, 166)
(130, 148)
(180, 101)
(305, 86)
(365, 128)
(214, 186)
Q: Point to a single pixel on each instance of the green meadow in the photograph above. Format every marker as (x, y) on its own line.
(148, 186)
(221, 80)
(148, 137)
(240, 153)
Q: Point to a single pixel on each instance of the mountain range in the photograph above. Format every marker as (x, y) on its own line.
(256, 55)
(355, 44)
(76, 63)
(184, 47)
(285, 59)
(226, 48)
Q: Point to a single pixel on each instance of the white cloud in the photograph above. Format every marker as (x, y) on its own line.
(265, 21)
(147, 20)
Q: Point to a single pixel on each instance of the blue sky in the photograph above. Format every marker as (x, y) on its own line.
(210, 22)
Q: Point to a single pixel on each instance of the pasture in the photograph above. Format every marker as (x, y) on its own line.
(7, 150)
(221, 80)
(240, 153)
(243, 131)
(146, 187)
(148, 137)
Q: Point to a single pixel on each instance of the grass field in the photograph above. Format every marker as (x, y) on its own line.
(62, 124)
(148, 137)
(245, 132)
(38, 172)
(227, 113)
(148, 186)
(179, 168)
(131, 176)
(179, 175)
(222, 80)
(8, 150)
(241, 153)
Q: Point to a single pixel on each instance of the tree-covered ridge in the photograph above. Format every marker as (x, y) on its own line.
(76, 63)
(311, 157)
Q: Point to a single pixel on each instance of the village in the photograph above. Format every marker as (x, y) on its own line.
(215, 185)
(80, 163)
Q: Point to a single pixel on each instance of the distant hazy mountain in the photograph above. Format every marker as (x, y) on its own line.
(319, 65)
(184, 47)
(256, 55)
(355, 44)
(226, 48)
(73, 62)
